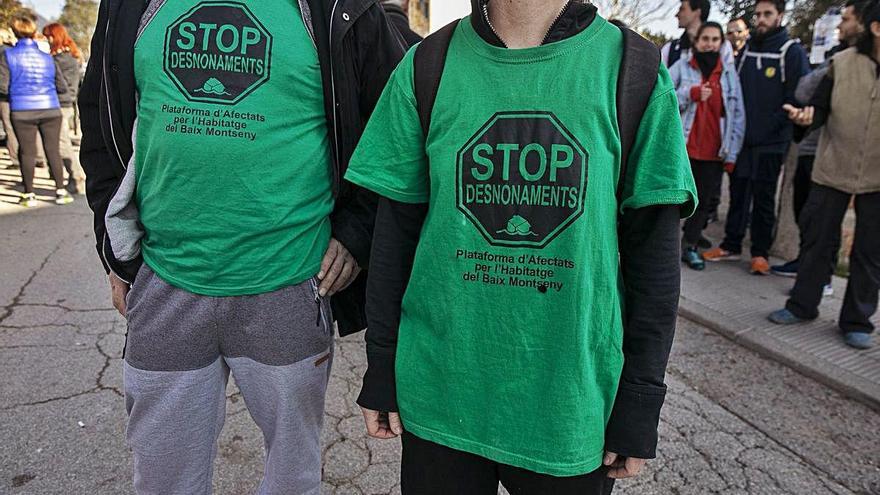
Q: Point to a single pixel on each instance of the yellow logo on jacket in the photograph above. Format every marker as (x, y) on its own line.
(770, 72)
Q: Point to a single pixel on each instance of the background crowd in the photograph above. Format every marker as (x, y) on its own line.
(744, 100)
(40, 75)
(747, 93)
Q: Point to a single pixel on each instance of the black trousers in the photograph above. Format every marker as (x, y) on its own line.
(708, 176)
(428, 468)
(753, 202)
(48, 124)
(820, 224)
(801, 183)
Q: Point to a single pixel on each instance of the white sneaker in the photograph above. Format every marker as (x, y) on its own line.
(62, 197)
(828, 290)
(28, 200)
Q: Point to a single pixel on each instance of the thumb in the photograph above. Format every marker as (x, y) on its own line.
(394, 423)
(329, 257)
(610, 457)
(788, 107)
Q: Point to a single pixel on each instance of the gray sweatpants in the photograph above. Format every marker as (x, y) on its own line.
(179, 351)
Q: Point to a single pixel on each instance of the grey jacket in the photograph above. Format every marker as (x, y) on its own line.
(803, 94)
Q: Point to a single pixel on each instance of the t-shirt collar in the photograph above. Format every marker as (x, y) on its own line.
(575, 17)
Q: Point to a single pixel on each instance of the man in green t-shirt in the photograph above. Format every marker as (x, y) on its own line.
(519, 325)
(215, 137)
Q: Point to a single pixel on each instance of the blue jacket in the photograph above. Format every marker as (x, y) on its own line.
(29, 77)
(733, 125)
(769, 71)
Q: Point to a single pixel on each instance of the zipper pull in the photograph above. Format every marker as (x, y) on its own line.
(317, 294)
(318, 320)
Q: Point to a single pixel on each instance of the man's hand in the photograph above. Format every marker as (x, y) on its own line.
(802, 117)
(338, 269)
(383, 425)
(705, 92)
(623, 467)
(118, 291)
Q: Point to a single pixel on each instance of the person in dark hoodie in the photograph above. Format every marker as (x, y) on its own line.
(770, 69)
(215, 140)
(397, 12)
(691, 15)
(517, 332)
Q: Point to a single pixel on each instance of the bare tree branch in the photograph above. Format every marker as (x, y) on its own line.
(636, 13)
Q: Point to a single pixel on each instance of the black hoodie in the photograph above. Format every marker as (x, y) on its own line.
(649, 253)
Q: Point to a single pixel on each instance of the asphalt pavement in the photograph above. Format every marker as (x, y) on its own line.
(735, 421)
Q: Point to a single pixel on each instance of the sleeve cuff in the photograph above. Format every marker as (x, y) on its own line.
(386, 190)
(672, 197)
(379, 389)
(632, 427)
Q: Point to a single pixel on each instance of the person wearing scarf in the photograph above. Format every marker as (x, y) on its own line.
(713, 118)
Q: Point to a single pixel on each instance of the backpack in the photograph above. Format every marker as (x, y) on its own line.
(635, 83)
(760, 56)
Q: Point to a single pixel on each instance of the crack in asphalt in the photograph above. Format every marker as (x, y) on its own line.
(16, 300)
(99, 385)
(67, 308)
(49, 400)
(767, 433)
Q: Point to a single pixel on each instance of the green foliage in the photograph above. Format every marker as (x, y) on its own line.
(658, 39)
(804, 15)
(79, 17)
(801, 15)
(737, 8)
(8, 9)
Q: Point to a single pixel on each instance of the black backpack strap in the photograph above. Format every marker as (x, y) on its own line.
(429, 61)
(635, 84)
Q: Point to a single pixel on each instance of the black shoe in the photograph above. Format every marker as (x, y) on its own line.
(789, 269)
(704, 243)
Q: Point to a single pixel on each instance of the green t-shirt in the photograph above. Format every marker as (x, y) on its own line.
(232, 154)
(510, 333)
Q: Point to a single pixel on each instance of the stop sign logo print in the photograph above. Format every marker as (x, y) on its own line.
(218, 52)
(521, 179)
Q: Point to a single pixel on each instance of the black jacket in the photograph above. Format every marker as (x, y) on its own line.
(649, 257)
(400, 21)
(71, 70)
(357, 51)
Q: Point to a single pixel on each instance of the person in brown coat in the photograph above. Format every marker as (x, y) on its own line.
(847, 104)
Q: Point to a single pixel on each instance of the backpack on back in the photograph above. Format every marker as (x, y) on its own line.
(635, 83)
(760, 56)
